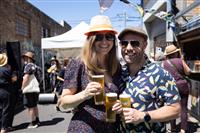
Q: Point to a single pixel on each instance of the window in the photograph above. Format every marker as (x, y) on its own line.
(22, 26)
(45, 32)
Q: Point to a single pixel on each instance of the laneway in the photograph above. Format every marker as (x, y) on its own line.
(51, 121)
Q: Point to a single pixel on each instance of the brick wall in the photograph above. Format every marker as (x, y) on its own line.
(11, 9)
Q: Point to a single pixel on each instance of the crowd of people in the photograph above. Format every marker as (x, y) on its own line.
(158, 89)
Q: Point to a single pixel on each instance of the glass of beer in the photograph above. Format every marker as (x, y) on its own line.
(111, 98)
(125, 100)
(99, 98)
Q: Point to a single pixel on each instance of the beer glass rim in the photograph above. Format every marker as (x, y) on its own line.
(97, 76)
(124, 95)
(111, 94)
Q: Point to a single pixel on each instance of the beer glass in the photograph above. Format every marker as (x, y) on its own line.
(111, 98)
(99, 98)
(125, 100)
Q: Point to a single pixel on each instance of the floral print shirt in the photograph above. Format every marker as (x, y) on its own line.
(150, 89)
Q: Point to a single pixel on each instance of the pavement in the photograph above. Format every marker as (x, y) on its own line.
(51, 120)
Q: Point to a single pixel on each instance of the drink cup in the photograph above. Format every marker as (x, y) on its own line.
(125, 100)
(99, 98)
(111, 99)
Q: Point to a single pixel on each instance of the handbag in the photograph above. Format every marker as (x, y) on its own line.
(32, 85)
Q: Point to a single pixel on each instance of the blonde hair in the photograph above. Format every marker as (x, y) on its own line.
(91, 60)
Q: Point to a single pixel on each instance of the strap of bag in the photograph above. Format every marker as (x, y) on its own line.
(172, 65)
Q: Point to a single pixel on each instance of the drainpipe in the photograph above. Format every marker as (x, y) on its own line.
(170, 37)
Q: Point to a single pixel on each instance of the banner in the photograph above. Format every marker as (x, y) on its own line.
(105, 5)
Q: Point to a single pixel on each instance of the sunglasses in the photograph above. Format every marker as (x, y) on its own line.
(133, 43)
(108, 37)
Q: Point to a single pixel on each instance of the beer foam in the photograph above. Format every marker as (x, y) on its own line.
(124, 96)
(97, 76)
(111, 94)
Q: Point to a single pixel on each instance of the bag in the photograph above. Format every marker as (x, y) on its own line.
(48, 98)
(32, 86)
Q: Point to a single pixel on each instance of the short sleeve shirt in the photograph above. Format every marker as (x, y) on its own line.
(88, 117)
(151, 88)
(30, 68)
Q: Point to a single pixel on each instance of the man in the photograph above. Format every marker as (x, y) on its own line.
(155, 98)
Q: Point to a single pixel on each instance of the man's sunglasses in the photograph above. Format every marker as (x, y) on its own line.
(133, 43)
(108, 37)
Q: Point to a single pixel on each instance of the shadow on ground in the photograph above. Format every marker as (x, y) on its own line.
(54, 121)
(192, 127)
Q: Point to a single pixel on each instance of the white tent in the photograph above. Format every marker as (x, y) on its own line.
(67, 44)
(71, 39)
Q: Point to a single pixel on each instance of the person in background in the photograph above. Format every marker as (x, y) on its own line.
(178, 69)
(155, 97)
(30, 99)
(6, 79)
(53, 72)
(61, 75)
(159, 57)
(99, 56)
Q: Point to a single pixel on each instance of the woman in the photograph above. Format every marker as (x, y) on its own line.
(30, 99)
(178, 69)
(53, 72)
(98, 57)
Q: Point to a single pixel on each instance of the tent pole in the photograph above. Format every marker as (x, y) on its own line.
(43, 78)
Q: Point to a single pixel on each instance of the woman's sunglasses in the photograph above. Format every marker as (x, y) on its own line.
(108, 37)
(133, 43)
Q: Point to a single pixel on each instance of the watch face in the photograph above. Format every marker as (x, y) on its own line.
(147, 117)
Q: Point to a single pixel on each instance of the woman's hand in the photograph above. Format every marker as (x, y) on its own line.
(91, 89)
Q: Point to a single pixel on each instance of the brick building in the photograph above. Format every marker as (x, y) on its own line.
(22, 22)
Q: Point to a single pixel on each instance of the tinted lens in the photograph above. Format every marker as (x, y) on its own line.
(124, 43)
(99, 37)
(108, 36)
(135, 43)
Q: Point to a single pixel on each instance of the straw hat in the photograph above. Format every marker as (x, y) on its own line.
(135, 30)
(29, 55)
(171, 49)
(100, 23)
(3, 59)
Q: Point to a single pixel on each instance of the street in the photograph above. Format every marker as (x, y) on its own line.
(51, 120)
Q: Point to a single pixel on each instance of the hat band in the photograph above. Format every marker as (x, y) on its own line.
(101, 26)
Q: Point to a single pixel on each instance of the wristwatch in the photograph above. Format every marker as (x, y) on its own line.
(147, 117)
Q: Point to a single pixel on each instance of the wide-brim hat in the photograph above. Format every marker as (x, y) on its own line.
(170, 49)
(134, 30)
(3, 59)
(100, 23)
(29, 55)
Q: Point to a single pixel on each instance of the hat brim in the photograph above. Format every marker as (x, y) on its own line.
(177, 50)
(100, 29)
(131, 30)
(28, 57)
(5, 62)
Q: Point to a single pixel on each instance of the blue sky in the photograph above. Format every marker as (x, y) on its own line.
(75, 11)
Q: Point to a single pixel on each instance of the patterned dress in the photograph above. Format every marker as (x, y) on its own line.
(150, 89)
(88, 117)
